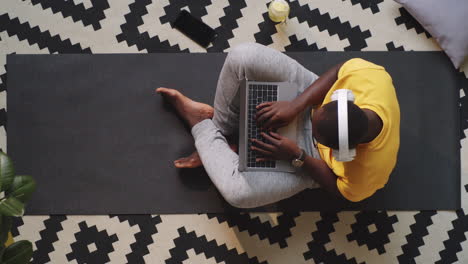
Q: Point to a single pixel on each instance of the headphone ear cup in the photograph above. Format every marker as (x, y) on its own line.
(350, 157)
(334, 96)
(350, 95)
(348, 92)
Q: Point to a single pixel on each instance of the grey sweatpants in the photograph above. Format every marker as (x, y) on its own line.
(251, 189)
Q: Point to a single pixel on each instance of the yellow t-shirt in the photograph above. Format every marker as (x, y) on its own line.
(369, 171)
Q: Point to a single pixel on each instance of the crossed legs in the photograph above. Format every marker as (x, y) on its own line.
(240, 189)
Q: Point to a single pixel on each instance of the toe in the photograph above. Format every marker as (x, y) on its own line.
(192, 161)
(165, 90)
(160, 89)
(182, 163)
(178, 163)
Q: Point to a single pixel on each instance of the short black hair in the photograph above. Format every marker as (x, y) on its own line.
(327, 126)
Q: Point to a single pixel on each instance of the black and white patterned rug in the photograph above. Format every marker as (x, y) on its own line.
(140, 26)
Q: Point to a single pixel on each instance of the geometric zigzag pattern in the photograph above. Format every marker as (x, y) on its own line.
(144, 26)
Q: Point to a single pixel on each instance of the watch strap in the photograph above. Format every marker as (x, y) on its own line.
(302, 156)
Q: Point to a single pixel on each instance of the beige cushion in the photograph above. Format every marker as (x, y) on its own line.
(446, 21)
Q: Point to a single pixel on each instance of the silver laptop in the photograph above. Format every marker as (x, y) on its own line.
(253, 93)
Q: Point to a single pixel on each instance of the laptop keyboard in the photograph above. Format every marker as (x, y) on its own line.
(258, 93)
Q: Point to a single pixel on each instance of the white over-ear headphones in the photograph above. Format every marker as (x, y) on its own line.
(344, 153)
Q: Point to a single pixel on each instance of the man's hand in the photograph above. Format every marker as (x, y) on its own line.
(281, 148)
(277, 148)
(273, 115)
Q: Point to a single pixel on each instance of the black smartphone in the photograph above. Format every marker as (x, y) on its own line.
(195, 29)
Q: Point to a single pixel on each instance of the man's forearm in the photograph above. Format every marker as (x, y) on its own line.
(320, 172)
(317, 91)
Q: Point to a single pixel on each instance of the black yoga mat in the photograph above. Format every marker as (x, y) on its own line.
(98, 140)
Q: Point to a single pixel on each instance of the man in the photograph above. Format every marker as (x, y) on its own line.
(373, 124)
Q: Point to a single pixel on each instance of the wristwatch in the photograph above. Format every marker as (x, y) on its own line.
(298, 162)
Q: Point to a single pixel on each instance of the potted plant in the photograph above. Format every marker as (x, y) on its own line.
(15, 191)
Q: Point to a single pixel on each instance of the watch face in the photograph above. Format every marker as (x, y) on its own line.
(297, 163)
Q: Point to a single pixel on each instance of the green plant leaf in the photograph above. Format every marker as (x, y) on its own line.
(7, 172)
(11, 207)
(2, 249)
(22, 188)
(18, 253)
(5, 226)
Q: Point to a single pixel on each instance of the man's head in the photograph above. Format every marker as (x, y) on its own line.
(325, 125)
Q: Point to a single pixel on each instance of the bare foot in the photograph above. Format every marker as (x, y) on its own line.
(194, 161)
(192, 112)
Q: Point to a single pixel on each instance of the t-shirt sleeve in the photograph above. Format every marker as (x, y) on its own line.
(354, 192)
(355, 65)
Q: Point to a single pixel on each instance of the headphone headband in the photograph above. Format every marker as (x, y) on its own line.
(343, 126)
(343, 153)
